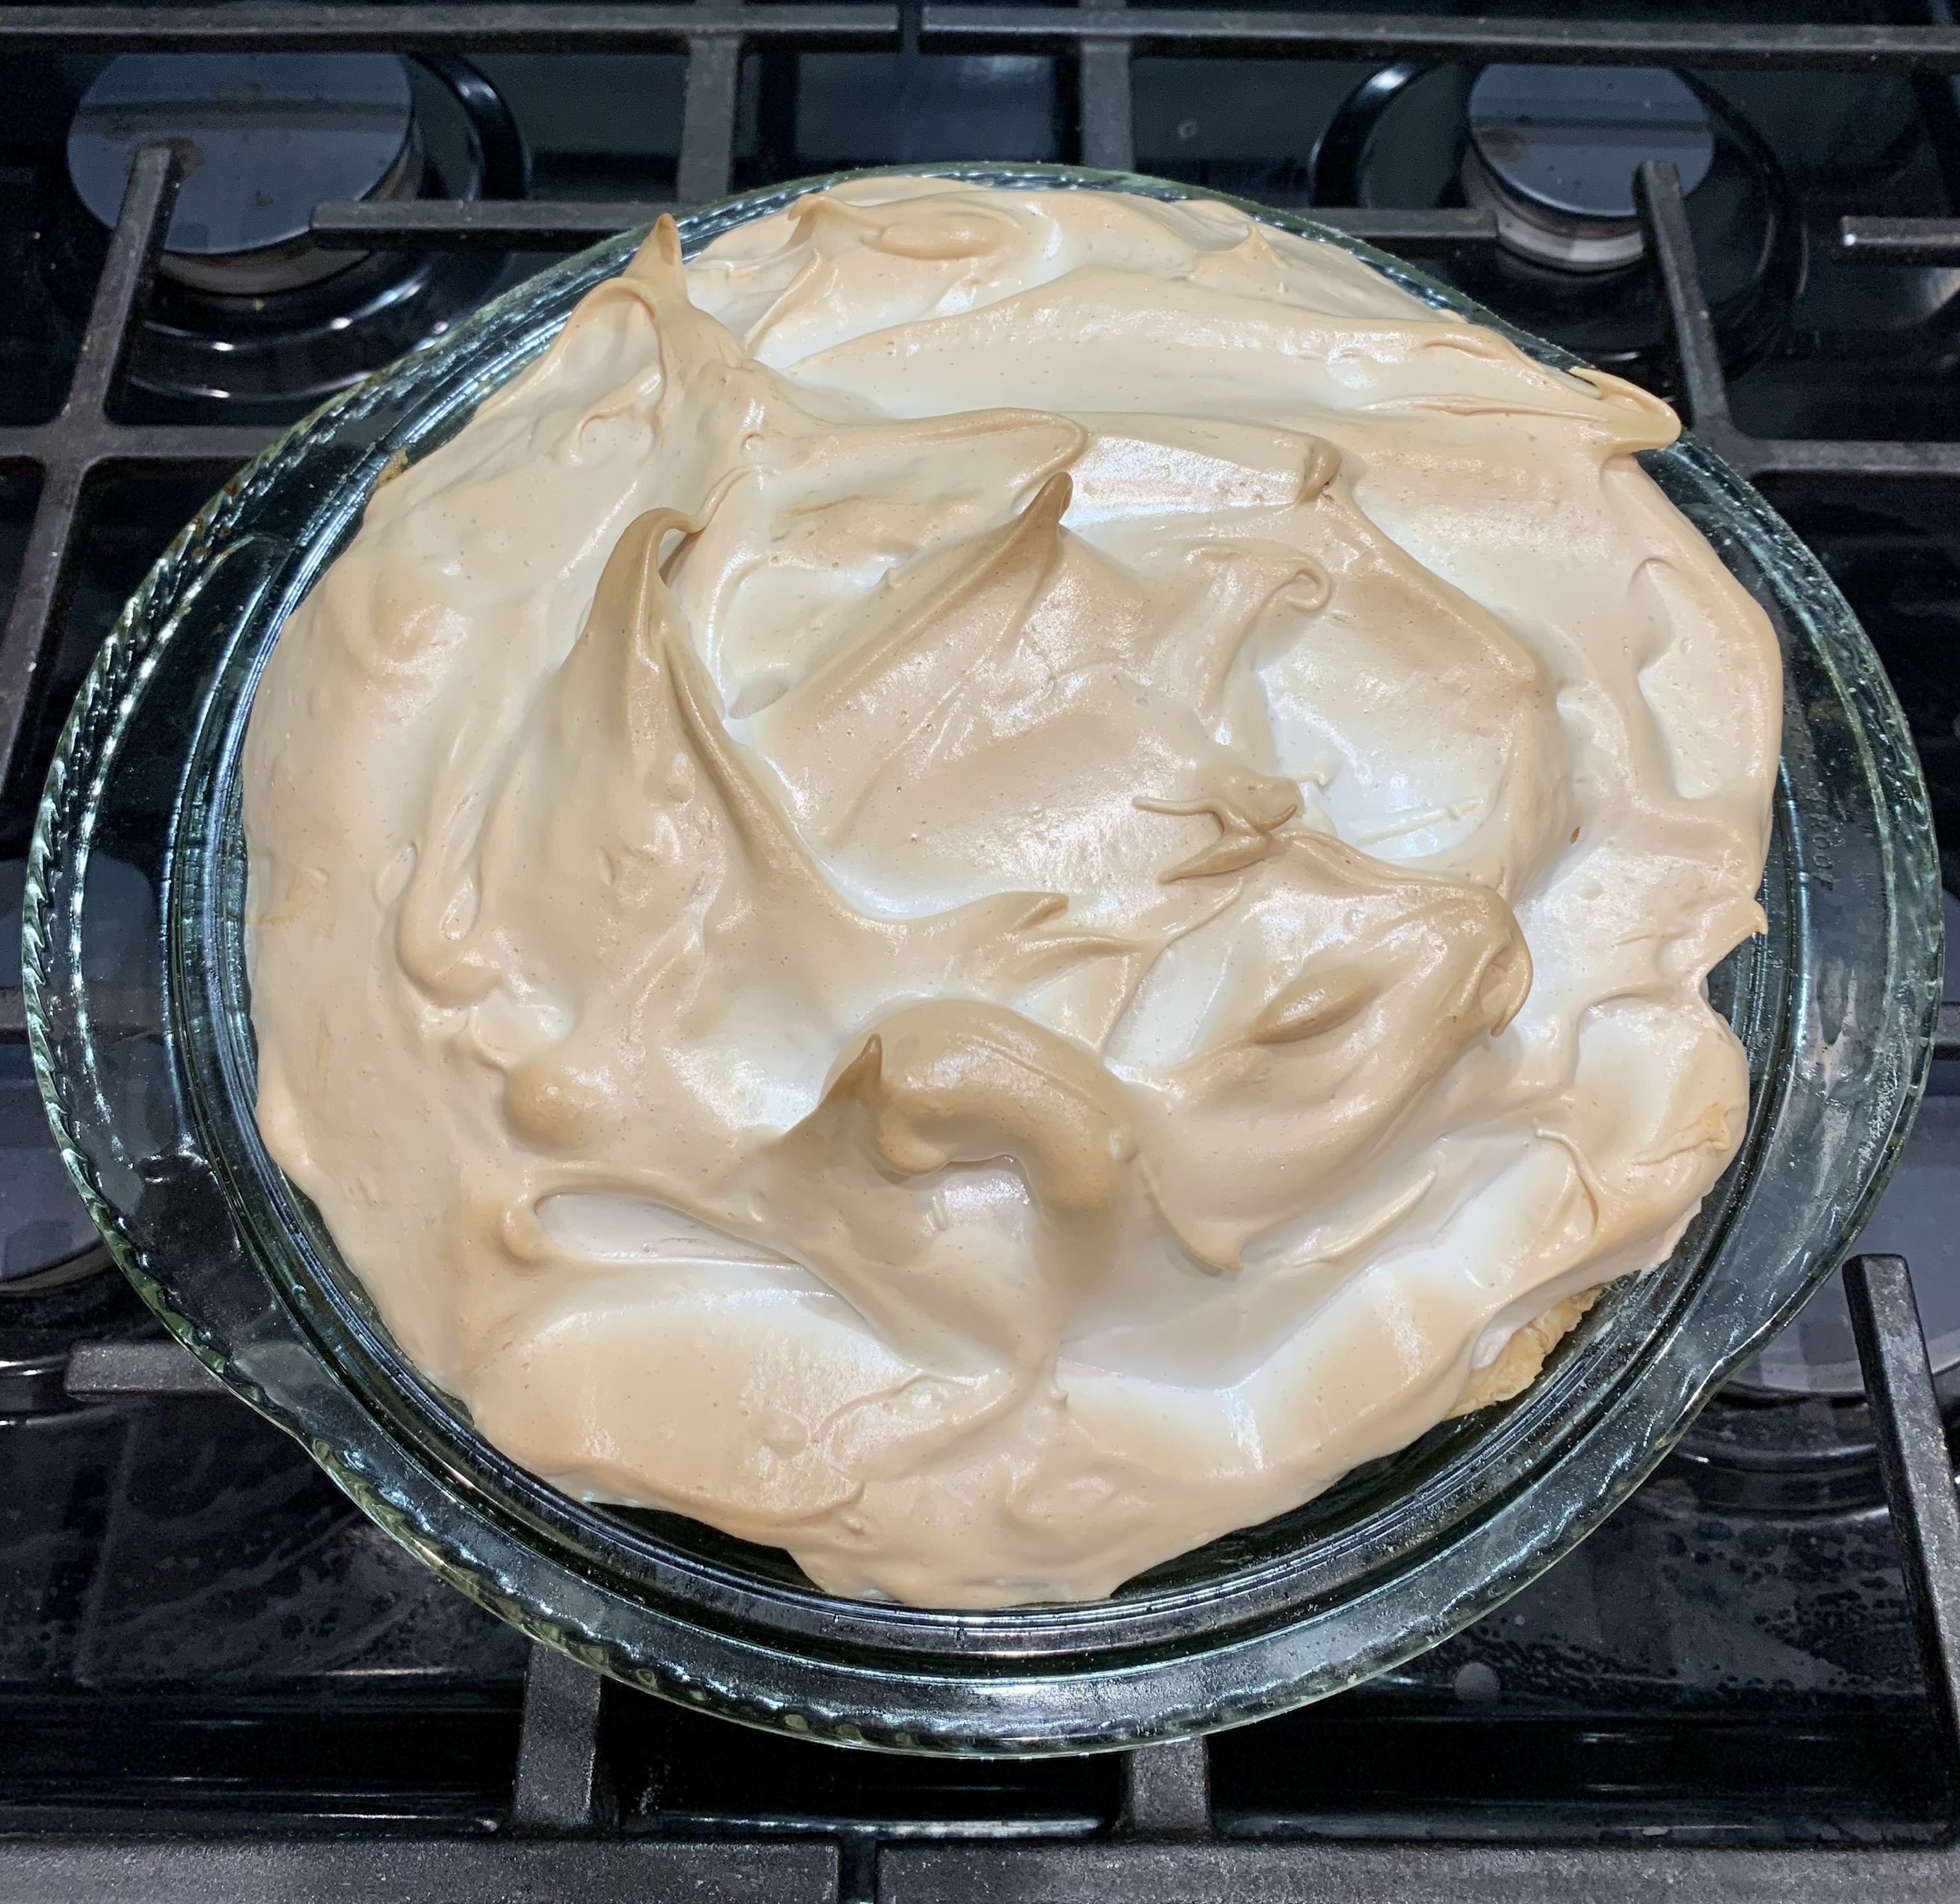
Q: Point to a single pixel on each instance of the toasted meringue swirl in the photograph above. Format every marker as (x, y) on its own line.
(990, 880)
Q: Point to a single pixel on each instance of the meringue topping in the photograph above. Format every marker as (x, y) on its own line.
(992, 878)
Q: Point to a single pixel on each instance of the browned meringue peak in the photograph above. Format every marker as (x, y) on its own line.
(990, 880)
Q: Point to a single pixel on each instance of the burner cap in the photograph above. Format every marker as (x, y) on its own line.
(1553, 150)
(264, 137)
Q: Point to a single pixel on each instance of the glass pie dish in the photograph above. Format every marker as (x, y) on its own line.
(139, 1016)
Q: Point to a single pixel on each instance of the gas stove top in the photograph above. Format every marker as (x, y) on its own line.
(217, 1680)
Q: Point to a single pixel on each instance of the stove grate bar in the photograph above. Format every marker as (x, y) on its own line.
(419, 1869)
(1103, 99)
(61, 453)
(136, 1371)
(304, 27)
(427, 1869)
(1167, 1790)
(1917, 1466)
(1766, 45)
(1470, 39)
(1899, 241)
(556, 1788)
(1703, 390)
(1703, 386)
(1410, 1872)
(1398, 1873)
(480, 225)
(708, 121)
(83, 443)
(545, 224)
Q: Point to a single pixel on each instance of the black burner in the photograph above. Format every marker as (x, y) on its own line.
(263, 137)
(1553, 150)
(249, 309)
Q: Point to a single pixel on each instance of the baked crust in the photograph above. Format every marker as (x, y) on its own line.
(1523, 1356)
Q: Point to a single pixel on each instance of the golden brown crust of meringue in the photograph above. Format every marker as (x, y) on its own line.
(994, 878)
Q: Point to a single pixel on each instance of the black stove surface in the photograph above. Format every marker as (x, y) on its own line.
(216, 1679)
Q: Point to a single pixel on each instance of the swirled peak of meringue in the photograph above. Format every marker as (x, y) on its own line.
(992, 880)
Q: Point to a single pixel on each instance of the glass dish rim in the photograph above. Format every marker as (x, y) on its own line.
(1748, 509)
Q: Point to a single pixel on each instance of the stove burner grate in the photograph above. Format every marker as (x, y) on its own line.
(559, 1837)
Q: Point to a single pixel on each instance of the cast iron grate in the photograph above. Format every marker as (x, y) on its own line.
(559, 1838)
